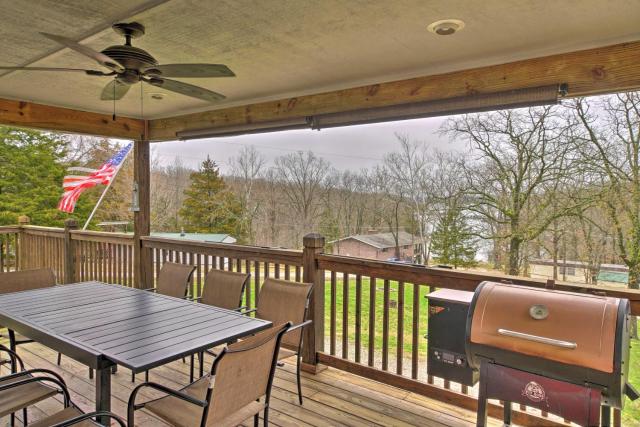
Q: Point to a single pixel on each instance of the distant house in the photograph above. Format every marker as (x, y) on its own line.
(577, 271)
(379, 246)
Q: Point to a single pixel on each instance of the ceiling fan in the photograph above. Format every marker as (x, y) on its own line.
(129, 65)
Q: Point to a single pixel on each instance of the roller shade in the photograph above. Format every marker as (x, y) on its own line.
(535, 96)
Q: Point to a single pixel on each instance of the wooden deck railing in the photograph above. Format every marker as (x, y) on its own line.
(370, 317)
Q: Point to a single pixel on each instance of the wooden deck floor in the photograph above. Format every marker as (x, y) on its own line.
(332, 398)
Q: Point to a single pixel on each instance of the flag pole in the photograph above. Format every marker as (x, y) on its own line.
(95, 208)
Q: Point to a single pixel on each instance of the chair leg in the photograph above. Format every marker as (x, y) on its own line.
(266, 416)
(90, 373)
(24, 417)
(201, 360)
(12, 421)
(256, 420)
(298, 378)
(146, 376)
(59, 358)
(133, 377)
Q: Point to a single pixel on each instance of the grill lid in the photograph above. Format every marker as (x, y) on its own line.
(571, 328)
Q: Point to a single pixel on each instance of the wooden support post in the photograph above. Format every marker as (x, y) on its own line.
(69, 251)
(23, 220)
(313, 340)
(142, 215)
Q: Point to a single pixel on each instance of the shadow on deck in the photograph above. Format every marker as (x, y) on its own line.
(332, 397)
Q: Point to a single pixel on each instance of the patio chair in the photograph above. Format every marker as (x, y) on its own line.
(222, 289)
(173, 280)
(26, 389)
(284, 301)
(25, 280)
(238, 387)
(14, 397)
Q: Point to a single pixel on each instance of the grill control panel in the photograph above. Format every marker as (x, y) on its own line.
(446, 336)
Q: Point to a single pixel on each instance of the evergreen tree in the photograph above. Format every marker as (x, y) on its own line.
(452, 241)
(31, 170)
(209, 207)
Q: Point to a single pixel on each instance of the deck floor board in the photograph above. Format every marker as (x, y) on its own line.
(332, 397)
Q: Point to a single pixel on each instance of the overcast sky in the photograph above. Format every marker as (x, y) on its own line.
(351, 147)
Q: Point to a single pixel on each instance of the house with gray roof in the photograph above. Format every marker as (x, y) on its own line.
(378, 246)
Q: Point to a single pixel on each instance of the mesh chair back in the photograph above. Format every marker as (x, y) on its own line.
(173, 279)
(26, 280)
(243, 373)
(283, 301)
(224, 288)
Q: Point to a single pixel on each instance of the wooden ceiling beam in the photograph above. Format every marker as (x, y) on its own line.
(46, 117)
(588, 72)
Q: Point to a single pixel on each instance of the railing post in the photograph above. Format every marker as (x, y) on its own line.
(314, 334)
(23, 220)
(143, 274)
(69, 251)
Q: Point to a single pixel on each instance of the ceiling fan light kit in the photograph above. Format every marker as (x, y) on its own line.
(129, 65)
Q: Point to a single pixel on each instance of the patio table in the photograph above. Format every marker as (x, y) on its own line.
(102, 325)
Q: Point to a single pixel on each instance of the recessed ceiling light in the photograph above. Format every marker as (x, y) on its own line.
(157, 95)
(446, 27)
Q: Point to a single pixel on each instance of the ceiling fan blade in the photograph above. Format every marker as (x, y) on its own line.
(93, 72)
(190, 70)
(114, 90)
(186, 89)
(101, 58)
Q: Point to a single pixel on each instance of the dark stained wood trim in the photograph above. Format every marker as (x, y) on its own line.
(601, 70)
(430, 391)
(455, 279)
(256, 253)
(47, 117)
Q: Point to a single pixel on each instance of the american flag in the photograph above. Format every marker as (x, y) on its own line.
(74, 185)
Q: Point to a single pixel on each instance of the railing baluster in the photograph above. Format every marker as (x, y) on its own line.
(415, 331)
(256, 282)
(400, 331)
(372, 321)
(247, 289)
(345, 315)
(385, 326)
(358, 314)
(287, 273)
(332, 329)
(298, 274)
(277, 271)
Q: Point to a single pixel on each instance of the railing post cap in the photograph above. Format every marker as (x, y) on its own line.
(23, 219)
(70, 223)
(313, 240)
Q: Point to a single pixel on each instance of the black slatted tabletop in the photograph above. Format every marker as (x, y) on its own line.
(100, 324)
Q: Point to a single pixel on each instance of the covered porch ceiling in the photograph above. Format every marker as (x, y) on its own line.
(297, 58)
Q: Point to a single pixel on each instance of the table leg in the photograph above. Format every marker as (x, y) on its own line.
(103, 392)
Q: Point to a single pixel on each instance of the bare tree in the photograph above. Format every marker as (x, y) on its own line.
(302, 176)
(520, 165)
(608, 138)
(246, 168)
(410, 169)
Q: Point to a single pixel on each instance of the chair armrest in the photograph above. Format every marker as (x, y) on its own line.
(121, 422)
(300, 325)
(253, 310)
(150, 289)
(29, 380)
(14, 358)
(244, 307)
(165, 390)
(31, 372)
(196, 299)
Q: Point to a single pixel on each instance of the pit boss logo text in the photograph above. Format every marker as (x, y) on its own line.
(534, 392)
